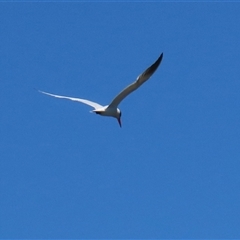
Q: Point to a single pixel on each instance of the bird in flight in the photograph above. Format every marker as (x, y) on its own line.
(112, 109)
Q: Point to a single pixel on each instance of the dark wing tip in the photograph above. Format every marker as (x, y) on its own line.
(157, 63)
(153, 67)
(161, 56)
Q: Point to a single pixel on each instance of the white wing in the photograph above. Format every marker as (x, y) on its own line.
(90, 103)
(139, 81)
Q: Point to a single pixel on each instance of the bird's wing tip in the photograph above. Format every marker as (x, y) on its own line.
(37, 90)
(161, 56)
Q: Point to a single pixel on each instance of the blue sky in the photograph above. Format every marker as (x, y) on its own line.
(171, 171)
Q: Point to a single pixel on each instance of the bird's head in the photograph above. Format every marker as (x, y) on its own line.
(119, 114)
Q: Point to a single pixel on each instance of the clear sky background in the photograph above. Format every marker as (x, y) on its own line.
(171, 171)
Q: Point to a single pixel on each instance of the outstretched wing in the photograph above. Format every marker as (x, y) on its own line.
(139, 81)
(90, 103)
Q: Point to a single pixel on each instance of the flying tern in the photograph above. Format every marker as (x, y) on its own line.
(112, 109)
